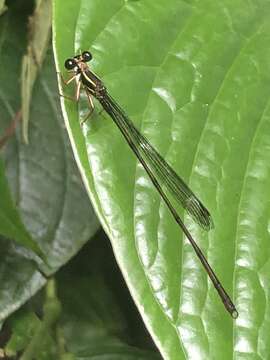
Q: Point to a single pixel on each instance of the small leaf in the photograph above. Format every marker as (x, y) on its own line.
(24, 326)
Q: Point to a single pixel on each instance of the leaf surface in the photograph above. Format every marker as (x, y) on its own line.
(194, 77)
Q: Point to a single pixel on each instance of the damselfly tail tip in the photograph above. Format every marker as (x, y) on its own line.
(229, 305)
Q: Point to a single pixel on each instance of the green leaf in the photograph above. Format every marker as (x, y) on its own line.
(42, 176)
(11, 225)
(39, 341)
(24, 325)
(194, 77)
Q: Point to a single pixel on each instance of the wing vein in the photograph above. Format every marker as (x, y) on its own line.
(164, 173)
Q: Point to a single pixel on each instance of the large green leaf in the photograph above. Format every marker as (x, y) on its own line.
(45, 183)
(194, 76)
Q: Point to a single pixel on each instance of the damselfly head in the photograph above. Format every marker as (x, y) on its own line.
(77, 61)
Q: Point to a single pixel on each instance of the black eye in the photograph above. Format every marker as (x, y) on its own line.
(87, 56)
(70, 64)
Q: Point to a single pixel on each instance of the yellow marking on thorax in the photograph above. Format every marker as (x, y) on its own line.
(88, 79)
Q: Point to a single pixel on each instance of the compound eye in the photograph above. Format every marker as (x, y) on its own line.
(70, 64)
(87, 56)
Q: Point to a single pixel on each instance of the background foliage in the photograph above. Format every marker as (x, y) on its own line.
(194, 77)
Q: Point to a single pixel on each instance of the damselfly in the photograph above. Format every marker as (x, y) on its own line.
(159, 171)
